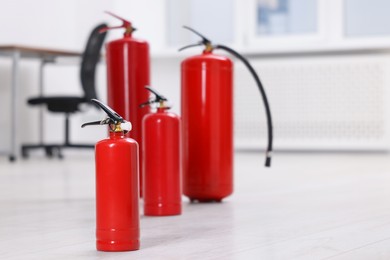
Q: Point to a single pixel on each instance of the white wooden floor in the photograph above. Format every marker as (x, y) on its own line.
(308, 206)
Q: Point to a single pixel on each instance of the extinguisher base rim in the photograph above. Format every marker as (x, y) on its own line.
(193, 200)
(107, 246)
(167, 210)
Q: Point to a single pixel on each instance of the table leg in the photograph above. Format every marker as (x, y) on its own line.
(41, 88)
(14, 93)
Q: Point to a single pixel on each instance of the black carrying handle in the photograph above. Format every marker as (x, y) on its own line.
(207, 43)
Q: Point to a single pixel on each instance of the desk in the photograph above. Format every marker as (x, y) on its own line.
(17, 52)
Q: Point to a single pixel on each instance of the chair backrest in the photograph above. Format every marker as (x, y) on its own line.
(89, 61)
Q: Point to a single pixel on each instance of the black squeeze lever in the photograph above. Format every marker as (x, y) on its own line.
(206, 42)
(158, 98)
(129, 29)
(113, 117)
(209, 47)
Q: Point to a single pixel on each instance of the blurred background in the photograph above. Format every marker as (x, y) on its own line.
(324, 64)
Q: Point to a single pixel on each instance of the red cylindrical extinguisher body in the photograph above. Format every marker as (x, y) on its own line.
(207, 126)
(117, 194)
(162, 164)
(127, 75)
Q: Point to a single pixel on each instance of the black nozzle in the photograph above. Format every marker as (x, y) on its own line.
(206, 42)
(157, 99)
(268, 161)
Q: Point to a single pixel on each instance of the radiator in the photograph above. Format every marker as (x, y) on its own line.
(317, 103)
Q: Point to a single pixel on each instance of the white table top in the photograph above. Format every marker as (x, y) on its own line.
(36, 52)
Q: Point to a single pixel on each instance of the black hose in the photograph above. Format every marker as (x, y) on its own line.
(264, 96)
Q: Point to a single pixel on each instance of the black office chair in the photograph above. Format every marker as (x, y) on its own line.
(70, 104)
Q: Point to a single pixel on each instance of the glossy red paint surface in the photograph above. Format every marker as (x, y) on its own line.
(162, 164)
(127, 75)
(207, 126)
(117, 194)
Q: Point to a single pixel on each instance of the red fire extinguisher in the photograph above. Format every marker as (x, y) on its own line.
(117, 195)
(161, 160)
(207, 120)
(127, 75)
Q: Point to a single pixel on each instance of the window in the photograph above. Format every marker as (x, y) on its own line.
(278, 17)
(367, 18)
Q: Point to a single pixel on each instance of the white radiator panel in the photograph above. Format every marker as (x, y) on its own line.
(331, 103)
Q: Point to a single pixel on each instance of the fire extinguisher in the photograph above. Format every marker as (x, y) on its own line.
(207, 120)
(117, 194)
(161, 160)
(127, 75)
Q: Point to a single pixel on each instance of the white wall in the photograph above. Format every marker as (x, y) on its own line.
(64, 25)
